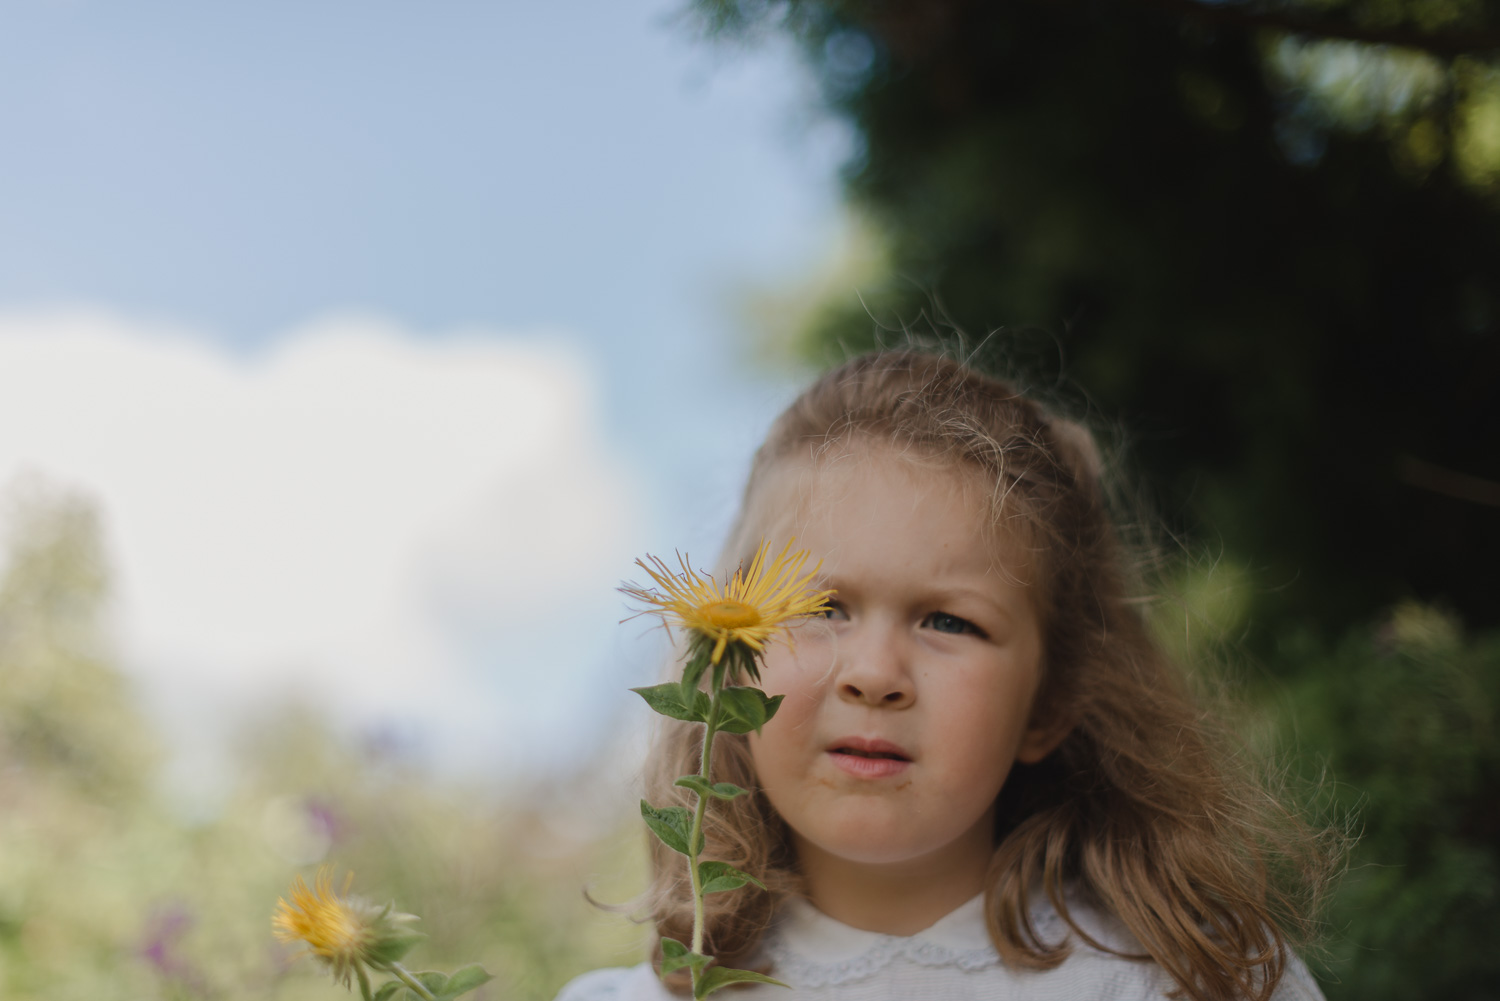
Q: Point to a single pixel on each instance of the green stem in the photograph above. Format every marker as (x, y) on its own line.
(706, 772)
(364, 983)
(411, 981)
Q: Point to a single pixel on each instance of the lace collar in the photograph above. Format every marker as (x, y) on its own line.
(810, 949)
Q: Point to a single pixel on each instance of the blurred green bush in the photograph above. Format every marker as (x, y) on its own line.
(1388, 733)
(108, 892)
(1397, 724)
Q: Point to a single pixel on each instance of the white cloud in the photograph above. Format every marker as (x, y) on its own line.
(400, 529)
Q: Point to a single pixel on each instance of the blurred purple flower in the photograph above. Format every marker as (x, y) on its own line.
(165, 927)
(323, 818)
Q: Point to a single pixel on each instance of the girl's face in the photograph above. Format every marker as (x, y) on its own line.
(906, 708)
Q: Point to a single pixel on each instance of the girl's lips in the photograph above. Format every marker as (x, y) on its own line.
(869, 758)
(869, 768)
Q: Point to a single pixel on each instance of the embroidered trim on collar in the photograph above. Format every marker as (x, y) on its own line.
(800, 971)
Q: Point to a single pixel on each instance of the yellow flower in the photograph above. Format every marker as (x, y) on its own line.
(343, 931)
(750, 607)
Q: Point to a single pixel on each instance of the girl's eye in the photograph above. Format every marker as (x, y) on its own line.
(835, 611)
(945, 623)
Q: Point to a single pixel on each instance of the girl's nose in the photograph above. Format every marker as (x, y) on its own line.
(873, 671)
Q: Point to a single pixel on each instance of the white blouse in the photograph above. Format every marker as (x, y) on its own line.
(823, 960)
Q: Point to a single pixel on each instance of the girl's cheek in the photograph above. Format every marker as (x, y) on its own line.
(809, 657)
(815, 652)
(802, 683)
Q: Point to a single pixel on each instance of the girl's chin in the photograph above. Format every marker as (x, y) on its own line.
(871, 840)
(883, 831)
(877, 855)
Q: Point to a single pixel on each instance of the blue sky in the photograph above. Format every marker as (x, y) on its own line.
(242, 166)
(580, 181)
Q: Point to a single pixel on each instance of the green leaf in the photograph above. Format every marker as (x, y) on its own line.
(392, 946)
(673, 824)
(718, 790)
(465, 980)
(675, 955)
(441, 986)
(721, 976)
(743, 662)
(715, 877)
(434, 981)
(745, 709)
(692, 671)
(667, 699)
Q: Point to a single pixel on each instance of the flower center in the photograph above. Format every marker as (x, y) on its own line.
(731, 614)
(336, 932)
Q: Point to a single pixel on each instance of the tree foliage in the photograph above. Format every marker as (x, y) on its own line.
(1263, 236)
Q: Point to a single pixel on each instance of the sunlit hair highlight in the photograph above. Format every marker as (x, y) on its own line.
(1145, 811)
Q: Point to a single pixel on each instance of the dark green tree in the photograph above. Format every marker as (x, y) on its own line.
(1263, 236)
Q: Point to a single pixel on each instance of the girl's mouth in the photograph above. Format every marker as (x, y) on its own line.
(868, 759)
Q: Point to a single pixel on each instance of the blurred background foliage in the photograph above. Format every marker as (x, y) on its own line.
(1273, 255)
(109, 889)
(1257, 243)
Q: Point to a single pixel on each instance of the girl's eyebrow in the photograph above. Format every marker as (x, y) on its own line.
(983, 595)
(1010, 605)
(940, 594)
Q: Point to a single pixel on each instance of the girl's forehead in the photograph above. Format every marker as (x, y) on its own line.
(810, 486)
(815, 493)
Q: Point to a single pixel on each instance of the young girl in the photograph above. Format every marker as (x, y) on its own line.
(986, 779)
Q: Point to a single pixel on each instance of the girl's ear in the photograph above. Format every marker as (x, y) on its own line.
(1043, 737)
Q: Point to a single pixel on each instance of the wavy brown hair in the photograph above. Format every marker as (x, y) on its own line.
(1147, 809)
